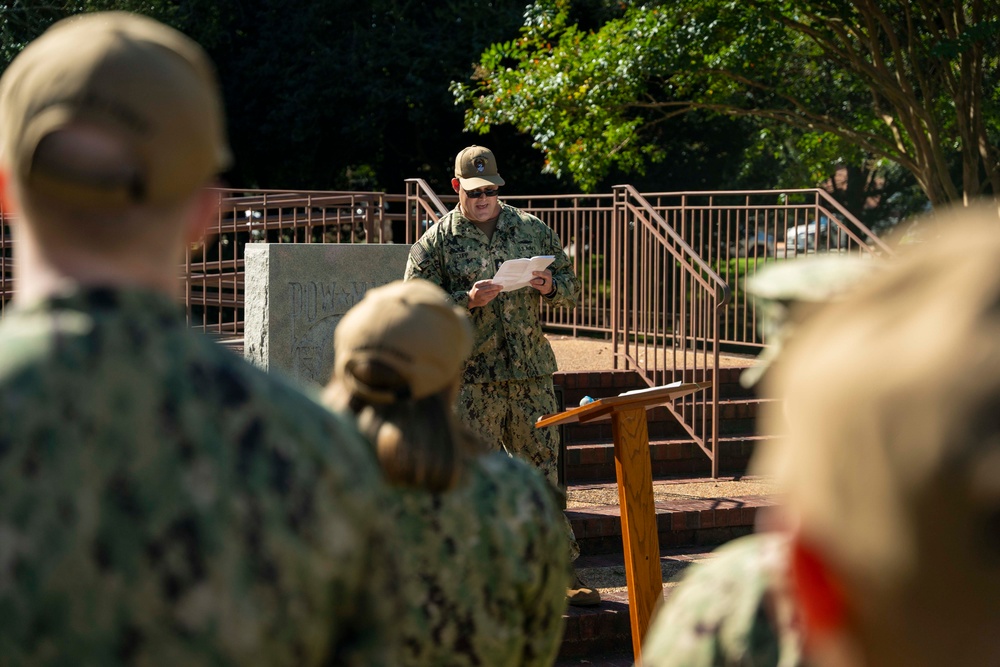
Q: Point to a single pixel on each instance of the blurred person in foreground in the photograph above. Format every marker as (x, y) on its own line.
(734, 608)
(507, 382)
(484, 560)
(162, 502)
(890, 465)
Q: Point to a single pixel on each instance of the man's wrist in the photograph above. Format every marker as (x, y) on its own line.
(552, 292)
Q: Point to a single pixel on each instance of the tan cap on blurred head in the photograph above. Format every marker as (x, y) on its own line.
(475, 167)
(130, 77)
(411, 327)
(891, 465)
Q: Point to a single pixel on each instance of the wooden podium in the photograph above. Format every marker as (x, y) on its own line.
(634, 470)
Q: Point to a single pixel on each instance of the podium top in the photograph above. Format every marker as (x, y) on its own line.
(630, 400)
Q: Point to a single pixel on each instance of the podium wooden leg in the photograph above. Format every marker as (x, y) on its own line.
(640, 537)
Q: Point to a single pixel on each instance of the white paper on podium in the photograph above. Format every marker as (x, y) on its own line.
(516, 273)
(648, 390)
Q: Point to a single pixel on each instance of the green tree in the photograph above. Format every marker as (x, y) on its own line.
(339, 94)
(853, 82)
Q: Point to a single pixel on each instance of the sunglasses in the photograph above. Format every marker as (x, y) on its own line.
(476, 194)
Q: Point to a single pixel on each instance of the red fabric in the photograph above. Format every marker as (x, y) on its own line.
(820, 598)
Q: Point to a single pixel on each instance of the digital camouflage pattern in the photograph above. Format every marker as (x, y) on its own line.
(163, 502)
(454, 254)
(500, 413)
(730, 610)
(485, 569)
(507, 383)
(503, 415)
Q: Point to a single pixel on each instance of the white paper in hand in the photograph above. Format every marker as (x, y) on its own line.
(516, 273)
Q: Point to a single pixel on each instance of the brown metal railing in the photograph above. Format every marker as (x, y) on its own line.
(662, 274)
(6, 259)
(423, 208)
(666, 310)
(213, 271)
(736, 233)
(682, 260)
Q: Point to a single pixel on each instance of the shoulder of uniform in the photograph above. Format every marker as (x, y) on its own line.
(445, 224)
(521, 215)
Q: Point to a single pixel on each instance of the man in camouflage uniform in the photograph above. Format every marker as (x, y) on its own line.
(162, 502)
(734, 608)
(507, 383)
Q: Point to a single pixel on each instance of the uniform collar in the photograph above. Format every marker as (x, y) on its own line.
(464, 227)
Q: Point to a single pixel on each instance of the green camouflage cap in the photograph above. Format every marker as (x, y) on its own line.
(787, 293)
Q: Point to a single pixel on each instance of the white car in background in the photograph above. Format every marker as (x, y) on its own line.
(805, 239)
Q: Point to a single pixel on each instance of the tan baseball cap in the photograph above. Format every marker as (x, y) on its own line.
(134, 79)
(475, 167)
(890, 466)
(413, 328)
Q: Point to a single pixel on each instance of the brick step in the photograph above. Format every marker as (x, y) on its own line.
(595, 461)
(602, 635)
(682, 520)
(736, 417)
(694, 516)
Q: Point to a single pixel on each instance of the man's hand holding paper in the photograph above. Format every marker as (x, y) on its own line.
(517, 273)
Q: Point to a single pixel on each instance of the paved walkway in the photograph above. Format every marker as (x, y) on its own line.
(592, 354)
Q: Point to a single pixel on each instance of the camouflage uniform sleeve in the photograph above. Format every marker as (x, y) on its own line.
(543, 626)
(728, 610)
(423, 263)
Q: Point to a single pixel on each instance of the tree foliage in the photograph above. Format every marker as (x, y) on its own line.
(338, 94)
(857, 82)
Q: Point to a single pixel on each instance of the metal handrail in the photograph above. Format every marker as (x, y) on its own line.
(640, 338)
(420, 198)
(847, 215)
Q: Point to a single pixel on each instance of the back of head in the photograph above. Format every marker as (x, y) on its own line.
(399, 355)
(891, 467)
(138, 85)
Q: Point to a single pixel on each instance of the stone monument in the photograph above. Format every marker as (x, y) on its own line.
(296, 293)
